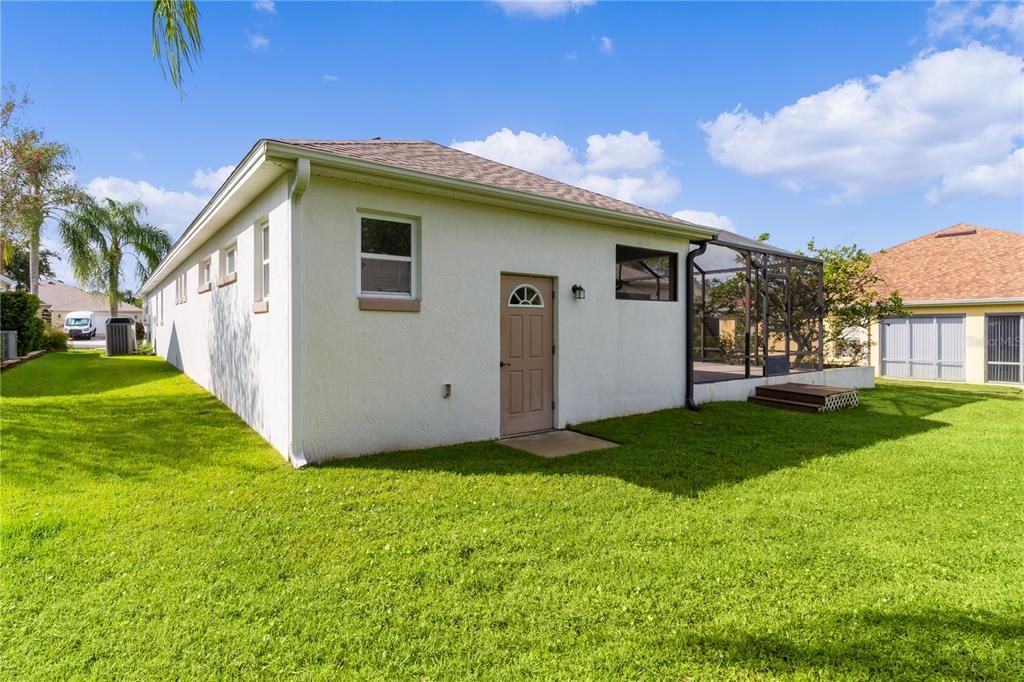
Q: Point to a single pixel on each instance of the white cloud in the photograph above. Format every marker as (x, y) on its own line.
(265, 6)
(61, 265)
(607, 44)
(543, 9)
(1002, 179)
(258, 41)
(706, 218)
(622, 151)
(138, 156)
(544, 154)
(937, 118)
(330, 78)
(623, 165)
(210, 180)
(168, 209)
(967, 20)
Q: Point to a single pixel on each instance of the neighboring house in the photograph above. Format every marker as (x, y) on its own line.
(7, 284)
(964, 286)
(59, 299)
(355, 297)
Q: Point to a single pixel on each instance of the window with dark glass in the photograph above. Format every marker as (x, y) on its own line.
(386, 261)
(645, 274)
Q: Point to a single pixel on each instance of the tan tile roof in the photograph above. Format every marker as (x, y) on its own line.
(60, 296)
(960, 262)
(435, 159)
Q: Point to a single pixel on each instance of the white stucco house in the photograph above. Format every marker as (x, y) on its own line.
(352, 297)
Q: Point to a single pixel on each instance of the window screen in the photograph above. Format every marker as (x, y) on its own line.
(645, 274)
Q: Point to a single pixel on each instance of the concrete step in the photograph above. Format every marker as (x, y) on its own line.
(785, 404)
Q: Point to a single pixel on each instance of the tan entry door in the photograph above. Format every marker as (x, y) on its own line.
(527, 354)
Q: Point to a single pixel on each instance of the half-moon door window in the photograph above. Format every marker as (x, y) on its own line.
(525, 296)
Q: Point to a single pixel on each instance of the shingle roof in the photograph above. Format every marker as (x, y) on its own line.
(60, 296)
(435, 159)
(961, 262)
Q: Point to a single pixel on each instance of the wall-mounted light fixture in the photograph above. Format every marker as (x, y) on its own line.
(578, 292)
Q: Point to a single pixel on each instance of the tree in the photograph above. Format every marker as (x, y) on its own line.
(98, 236)
(127, 296)
(36, 181)
(16, 261)
(176, 39)
(855, 297)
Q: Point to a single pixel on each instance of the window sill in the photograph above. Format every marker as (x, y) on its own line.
(261, 307)
(395, 305)
(230, 278)
(203, 288)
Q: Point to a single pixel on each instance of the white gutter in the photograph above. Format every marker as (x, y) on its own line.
(298, 185)
(243, 171)
(484, 193)
(402, 178)
(965, 301)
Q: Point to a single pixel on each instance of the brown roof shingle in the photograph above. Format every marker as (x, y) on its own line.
(429, 157)
(61, 296)
(960, 262)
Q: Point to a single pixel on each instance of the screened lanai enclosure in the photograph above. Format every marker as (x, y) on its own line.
(757, 311)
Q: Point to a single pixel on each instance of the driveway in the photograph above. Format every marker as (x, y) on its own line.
(84, 344)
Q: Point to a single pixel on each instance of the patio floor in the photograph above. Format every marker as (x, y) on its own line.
(557, 443)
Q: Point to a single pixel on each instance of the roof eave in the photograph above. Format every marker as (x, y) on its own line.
(252, 162)
(965, 301)
(402, 178)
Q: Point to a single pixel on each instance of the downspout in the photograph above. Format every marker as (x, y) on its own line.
(296, 188)
(701, 248)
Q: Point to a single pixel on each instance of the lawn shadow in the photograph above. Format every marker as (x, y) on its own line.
(927, 645)
(684, 453)
(79, 373)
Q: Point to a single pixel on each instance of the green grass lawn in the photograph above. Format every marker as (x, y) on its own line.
(147, 532)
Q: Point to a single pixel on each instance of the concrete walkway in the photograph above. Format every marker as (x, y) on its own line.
(557, 443)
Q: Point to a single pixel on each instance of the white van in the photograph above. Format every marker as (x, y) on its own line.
(80, 324)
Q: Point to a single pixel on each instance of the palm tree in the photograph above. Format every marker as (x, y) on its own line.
(176, 39)
(98, 235)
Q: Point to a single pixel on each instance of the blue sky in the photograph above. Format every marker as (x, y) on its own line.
(866, 123)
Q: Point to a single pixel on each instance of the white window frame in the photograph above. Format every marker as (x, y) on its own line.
(413, 260)
(205, 271)
(181, 288)
(263, 260)
(226, 270)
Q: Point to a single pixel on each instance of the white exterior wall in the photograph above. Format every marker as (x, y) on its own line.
(741, 389)
(239, 356)
(372, 380)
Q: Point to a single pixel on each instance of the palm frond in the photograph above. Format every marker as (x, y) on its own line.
(176, 39)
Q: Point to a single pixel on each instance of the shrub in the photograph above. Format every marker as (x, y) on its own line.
(18, 313)
(55, 339)
(140, 331)
(144, 348)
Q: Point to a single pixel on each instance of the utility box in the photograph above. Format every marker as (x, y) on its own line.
(8, 345)
(120, 336)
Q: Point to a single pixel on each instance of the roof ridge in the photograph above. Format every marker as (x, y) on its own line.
(955, 226)
(618, 205)
(544, 177)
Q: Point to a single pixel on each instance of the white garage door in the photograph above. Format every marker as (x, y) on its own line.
(101, 324)
(923, 347)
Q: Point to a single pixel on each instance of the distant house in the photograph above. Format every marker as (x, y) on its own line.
(59, 299)
(7, 284)
(965, 287)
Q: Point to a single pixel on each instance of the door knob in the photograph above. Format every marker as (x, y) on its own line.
(504, 364)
